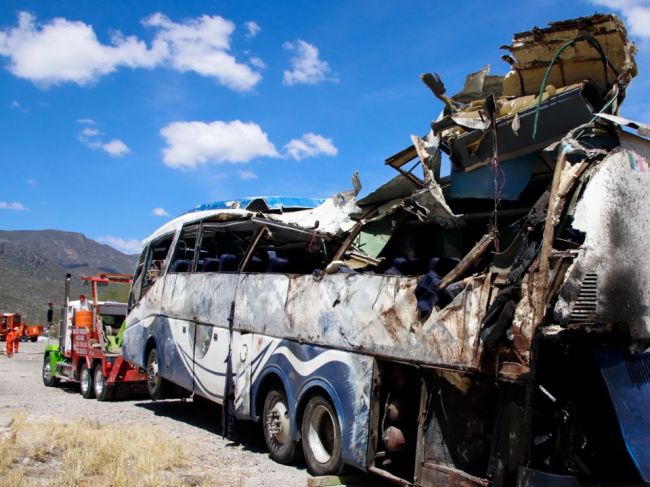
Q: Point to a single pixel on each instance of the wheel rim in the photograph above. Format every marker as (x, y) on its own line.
(47, 372)
(100, 382)
(85, 381)
(321, 434)
(152, 372)
(277, 420)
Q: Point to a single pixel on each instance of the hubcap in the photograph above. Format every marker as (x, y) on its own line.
(152, 373)
(47, 375)
(277, 421)
(99, 383)
(85, 381)
(321, 434)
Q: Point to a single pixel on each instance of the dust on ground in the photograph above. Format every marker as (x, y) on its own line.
(206, 458)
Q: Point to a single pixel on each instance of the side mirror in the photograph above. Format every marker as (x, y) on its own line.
(50, 314)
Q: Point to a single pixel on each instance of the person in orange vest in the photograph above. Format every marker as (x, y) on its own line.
(9, 343)
(18, 333)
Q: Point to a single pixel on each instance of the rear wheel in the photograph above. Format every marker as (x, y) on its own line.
(321, 437)
(156, 385)
(34, 339)
(86, 383)
(48, 378)
(103, 392)
(276, 425)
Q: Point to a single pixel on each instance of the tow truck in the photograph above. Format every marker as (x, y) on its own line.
(10, 321)
(87, 349)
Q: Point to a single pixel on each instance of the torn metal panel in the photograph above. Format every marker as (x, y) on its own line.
(610, 279)
(514, 175)
(331, 217)
(565, 110)
(397, 188)
(533, 51)
(479, 85)
(641, 128)
(365, 313)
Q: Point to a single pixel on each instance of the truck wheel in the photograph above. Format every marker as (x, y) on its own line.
(48, 378)
(103, 392)
(321, 437)
(86, 383)
(34, 339)
(156, 385)
(276, 423)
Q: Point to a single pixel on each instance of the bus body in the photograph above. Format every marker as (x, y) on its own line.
(486, 328)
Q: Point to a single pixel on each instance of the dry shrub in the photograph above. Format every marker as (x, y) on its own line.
(87, 453)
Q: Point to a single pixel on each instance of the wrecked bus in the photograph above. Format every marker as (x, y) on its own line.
(488, 327)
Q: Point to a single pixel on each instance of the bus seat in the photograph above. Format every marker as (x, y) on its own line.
(255, 264)
(398, 267)
(228, 262)
(181, 265)
(211, 265)
(276, 264)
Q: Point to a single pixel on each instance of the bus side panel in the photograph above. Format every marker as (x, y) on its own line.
(210, 361)
(345, 376)
(175, 341)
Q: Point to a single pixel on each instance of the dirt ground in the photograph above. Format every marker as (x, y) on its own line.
(213, 460)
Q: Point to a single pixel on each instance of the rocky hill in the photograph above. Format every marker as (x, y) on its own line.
(33, 265)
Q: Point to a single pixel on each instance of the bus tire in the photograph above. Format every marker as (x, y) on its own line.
(86, 383)
(276, 423)
(321, 437)
(156, 385)
(103, 392)
(49, 379)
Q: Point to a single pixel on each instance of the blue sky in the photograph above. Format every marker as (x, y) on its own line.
(116, 115)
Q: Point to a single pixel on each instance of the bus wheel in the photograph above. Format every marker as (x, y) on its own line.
(321, 437)
(103, 392)
(86, 383)
(276, 425)
(48, 379)
(156, 385)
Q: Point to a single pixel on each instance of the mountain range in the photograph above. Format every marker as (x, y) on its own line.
(34, 263)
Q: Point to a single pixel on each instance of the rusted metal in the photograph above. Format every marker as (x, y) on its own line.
(470, 258)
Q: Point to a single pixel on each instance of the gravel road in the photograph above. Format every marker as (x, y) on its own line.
(245, 463)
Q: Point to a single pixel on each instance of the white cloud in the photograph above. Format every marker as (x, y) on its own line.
(88, 132)
(14, 104)
(310, 145)
(31, 182)
(61, 51)
(306, 65)
(201, 45)
(636, 14)
(247, 174)
(257, 62)
(125, 245)
(159, 212)
(253, 28)
(6, 205)
(116, 148)
(91, 137)
(190, 144)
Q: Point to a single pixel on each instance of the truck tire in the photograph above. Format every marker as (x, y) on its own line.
(276, 423)
(103, 392)
(49, 379)
(321, 437)
(157, 386)
(34, 339)
(86, 383)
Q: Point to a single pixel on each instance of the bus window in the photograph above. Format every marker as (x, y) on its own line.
(151, 266)
(184, 253)
(222, 246)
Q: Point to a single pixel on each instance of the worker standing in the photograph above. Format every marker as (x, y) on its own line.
(9, 343)
(18, 333)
